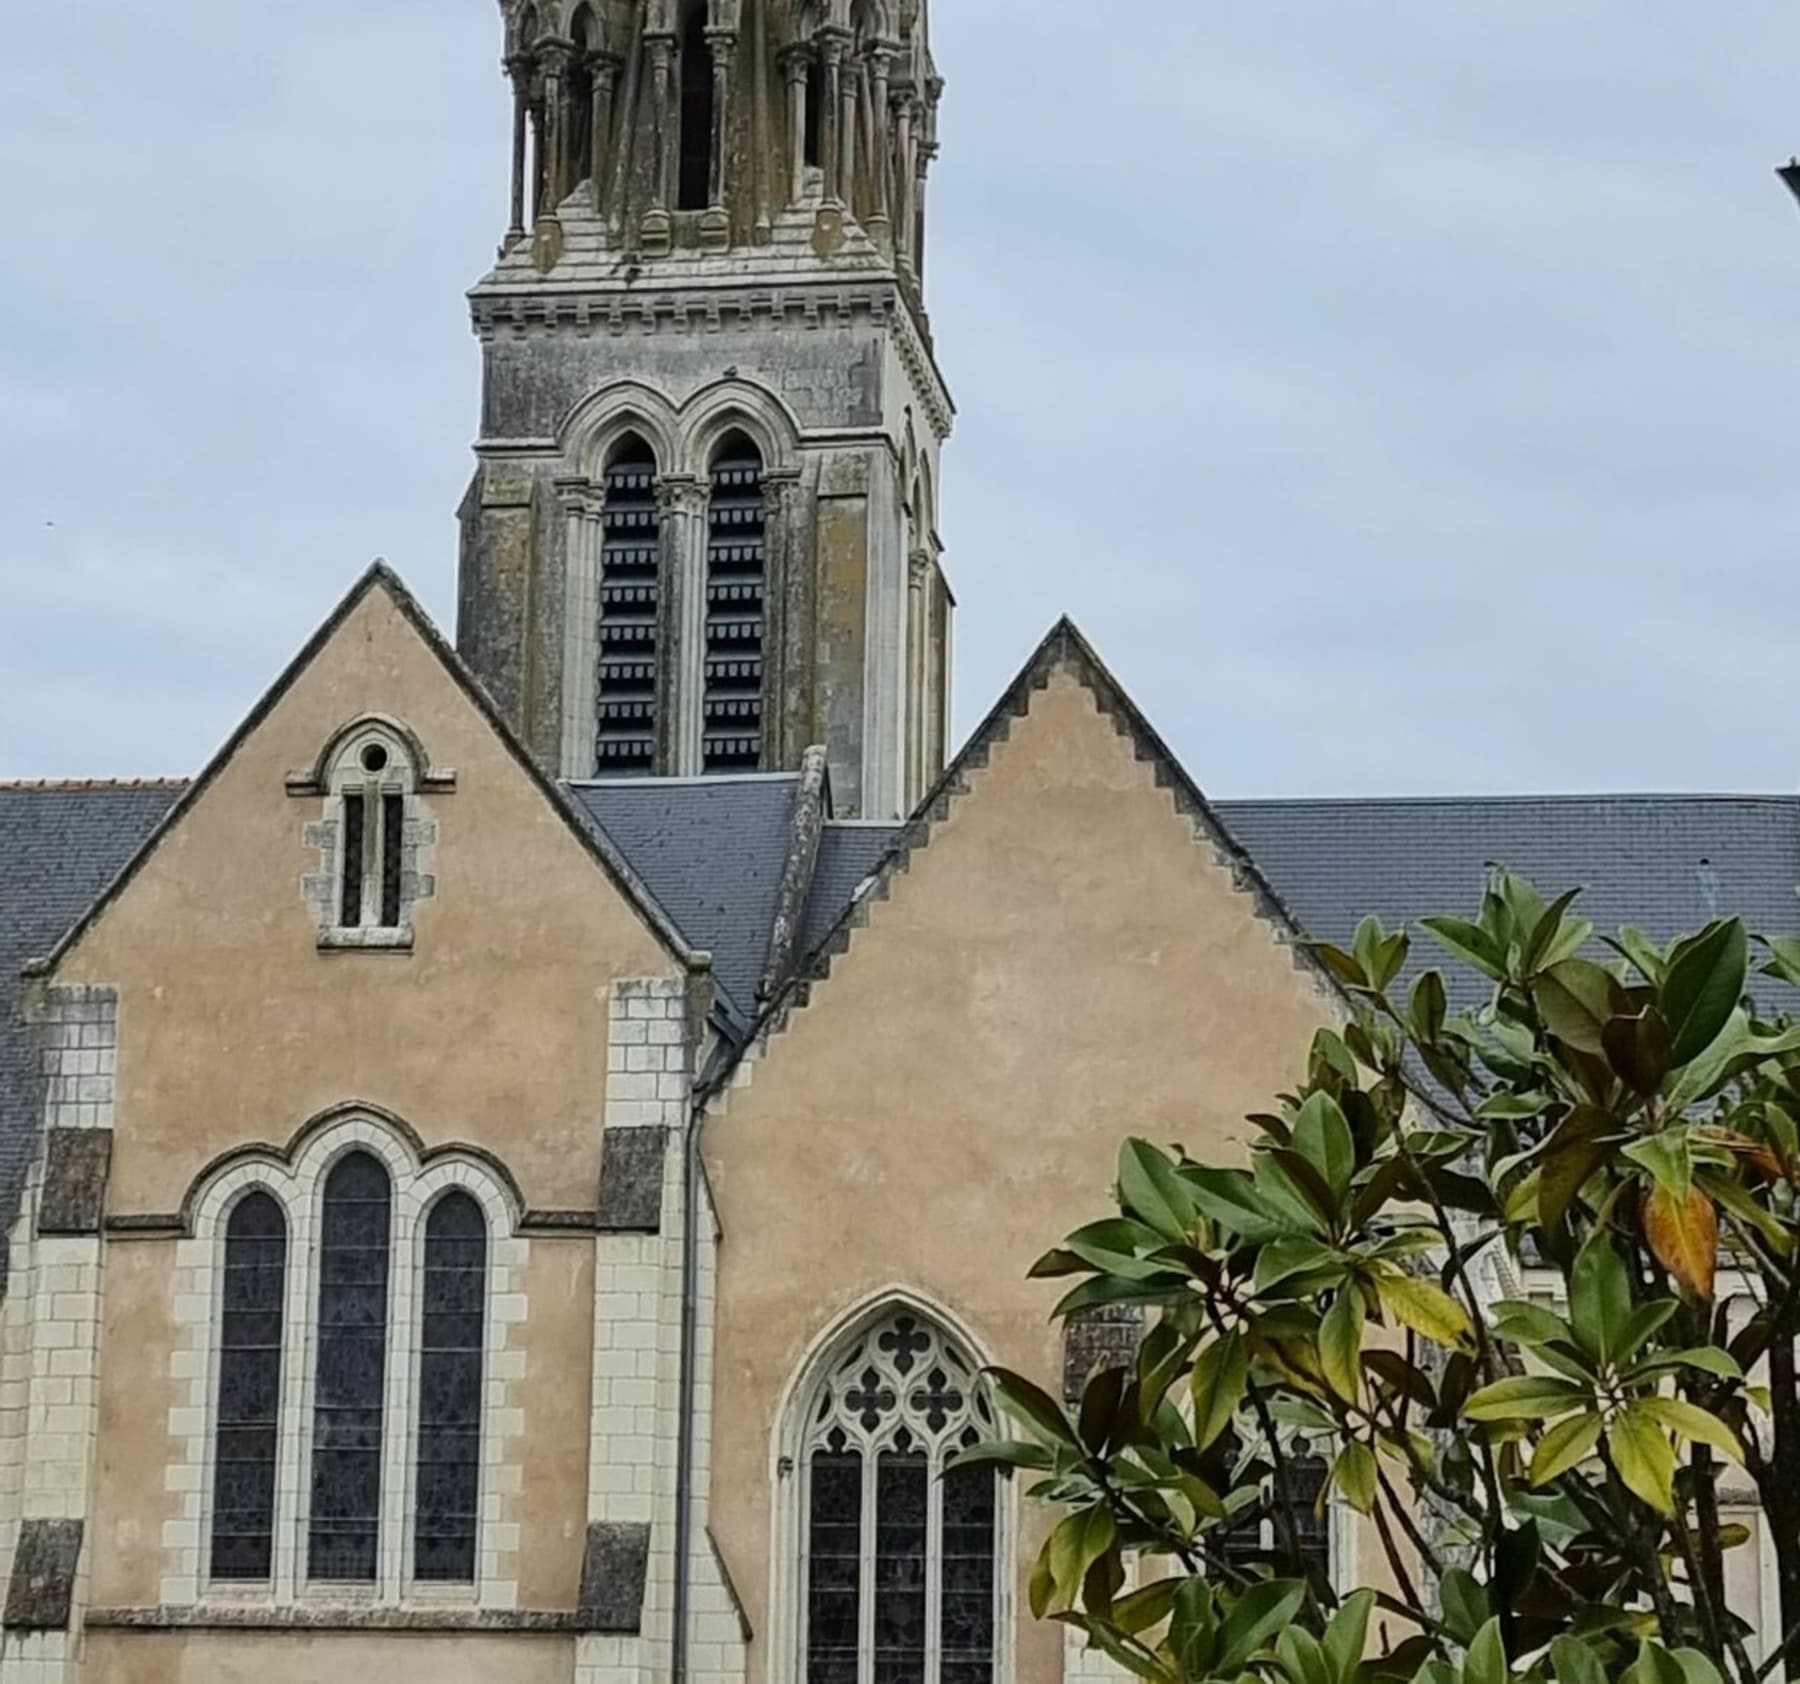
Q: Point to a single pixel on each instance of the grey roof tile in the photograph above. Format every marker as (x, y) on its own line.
(711, 850)
(849, 855)
(1664, 863)
(60, 845)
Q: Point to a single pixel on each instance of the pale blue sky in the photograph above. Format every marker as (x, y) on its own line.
(1401, 393)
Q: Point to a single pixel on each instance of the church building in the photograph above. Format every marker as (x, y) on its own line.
(514, 1171)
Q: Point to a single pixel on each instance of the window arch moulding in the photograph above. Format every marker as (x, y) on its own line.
(295, 1181)
(375, 843)
(873, 1413)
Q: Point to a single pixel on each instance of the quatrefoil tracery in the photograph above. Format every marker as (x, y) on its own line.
(904, 1386)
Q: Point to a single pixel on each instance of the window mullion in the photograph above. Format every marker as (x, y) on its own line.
(934, 1567)
(868, 1577)
(370, 796)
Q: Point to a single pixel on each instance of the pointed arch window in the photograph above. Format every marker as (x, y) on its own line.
(901, 1582)
(447, 1501)
(697, 114)
(350, 1382)
(247, 1439)
(736, 604)
(630, 605)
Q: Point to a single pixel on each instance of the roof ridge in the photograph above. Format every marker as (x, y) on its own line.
(64, 785)
(1565, 797)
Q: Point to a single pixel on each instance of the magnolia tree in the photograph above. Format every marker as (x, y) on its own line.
(1546, 1477)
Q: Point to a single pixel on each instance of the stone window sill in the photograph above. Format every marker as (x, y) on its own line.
(366, 941)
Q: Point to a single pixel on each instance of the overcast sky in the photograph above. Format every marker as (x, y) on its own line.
(1401, 393)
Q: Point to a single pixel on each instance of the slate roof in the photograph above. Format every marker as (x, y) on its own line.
(1664, 863)
(849, 855)
(711, 851)
(60, 845)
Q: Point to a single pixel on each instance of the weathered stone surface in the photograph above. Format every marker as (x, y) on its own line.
(77, 1163)
(1098, 1340)
(631, 1181)
(612, 1577)
(43, 1575)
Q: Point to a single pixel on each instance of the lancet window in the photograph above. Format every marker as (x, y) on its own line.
(694, 188)
(736, 608)
(246, 1446)
(901, 1583)
(630, 602)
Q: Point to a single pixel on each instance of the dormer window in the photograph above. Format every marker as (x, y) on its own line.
(373, 837)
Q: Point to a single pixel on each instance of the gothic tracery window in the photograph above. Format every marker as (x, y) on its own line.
(246, 1441)
(350, 1382)
(901, 1578)
(630, 598)
(736, 592)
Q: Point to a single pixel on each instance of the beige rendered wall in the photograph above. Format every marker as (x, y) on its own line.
(1063, 965)
(234, 1029)
(492, 1032)
(117, 1657)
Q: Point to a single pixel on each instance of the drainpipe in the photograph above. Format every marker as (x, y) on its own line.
(699, 1018)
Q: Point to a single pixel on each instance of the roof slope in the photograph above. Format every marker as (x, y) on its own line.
(60, 846)
(711, 851)
(1664, 863)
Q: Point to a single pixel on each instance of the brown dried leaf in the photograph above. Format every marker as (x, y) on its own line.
(1684, 1234)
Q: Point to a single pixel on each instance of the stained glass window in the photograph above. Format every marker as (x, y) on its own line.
(249, 1423)
(350, 1383)
(454, 1298)
(900, 1555)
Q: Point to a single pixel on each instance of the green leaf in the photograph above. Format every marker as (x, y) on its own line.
(1526, 1397)
(1466, 1604)
(1259, 1613)
(1301, 1657)
(1704, 987)
(1033, 1409)
(1145, 1607)
(1428, 1310)
(1348, 1636)
(1642, 1453)
(1220, 1377)
(1575, 1662)
(1485, 1662)
(1637, 1047)
(1323, 1138)
(1357, 1476)
(1784, 958)
(1566, 1445)
(1340, 1344)
(1470, 943)
(1230, 1198)
(1669, 1156)
(1569, 1159)
(1009, 1453)
(1707, 1359)
(1694, 1423)
(1149, 1185)
(1521, 1322)
(1577, 999)
(1076, 1544)
(1430, 1006)
(1644, 1321)
(1599, 1298)
(1696, 1668)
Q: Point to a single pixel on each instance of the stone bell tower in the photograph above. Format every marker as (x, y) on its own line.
(702, 530)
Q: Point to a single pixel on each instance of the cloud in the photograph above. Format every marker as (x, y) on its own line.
(1399, 393)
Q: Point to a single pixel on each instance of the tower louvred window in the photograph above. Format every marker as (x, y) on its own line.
(630, 601)
(736, 592)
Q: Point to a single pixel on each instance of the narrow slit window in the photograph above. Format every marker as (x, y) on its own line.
(736, 604)
(354, 862)
(630, 605)
(393, 853)
(448, 1499)
(245, 1451)
(349, 1394)
(697, 116)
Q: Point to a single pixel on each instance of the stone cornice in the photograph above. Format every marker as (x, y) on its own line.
(498, 310)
